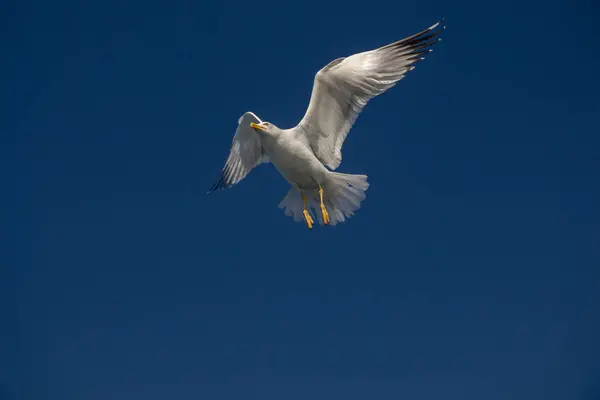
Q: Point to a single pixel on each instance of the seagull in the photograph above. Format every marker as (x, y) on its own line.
(307, 154)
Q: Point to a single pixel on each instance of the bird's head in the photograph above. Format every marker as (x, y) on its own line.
(265, 127)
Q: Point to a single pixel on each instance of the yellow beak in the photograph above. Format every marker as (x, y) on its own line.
(257, 126)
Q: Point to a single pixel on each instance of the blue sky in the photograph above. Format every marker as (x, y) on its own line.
(470, 272)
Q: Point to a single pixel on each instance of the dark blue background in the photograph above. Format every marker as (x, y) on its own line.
(470, 272)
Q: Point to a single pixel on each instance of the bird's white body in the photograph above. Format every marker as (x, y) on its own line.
(295, 161)
(301, 154)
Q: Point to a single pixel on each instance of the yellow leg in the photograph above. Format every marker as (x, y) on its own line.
(326, 220)
(307, 217)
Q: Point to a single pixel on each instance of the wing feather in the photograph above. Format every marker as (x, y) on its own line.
(343, 88)
(246, 153)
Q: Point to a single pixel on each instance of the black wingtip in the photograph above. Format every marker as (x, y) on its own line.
(219, 184)
(438, 27)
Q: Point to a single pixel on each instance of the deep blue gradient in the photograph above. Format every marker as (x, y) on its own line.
(470, 272)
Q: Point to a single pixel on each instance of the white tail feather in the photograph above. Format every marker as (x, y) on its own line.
(342, 195)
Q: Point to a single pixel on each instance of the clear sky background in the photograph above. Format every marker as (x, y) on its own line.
(470, 272)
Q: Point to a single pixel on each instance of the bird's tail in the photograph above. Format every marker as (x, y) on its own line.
(342, 195)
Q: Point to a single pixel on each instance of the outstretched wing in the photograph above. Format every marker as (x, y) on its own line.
(245, 154)
(343, 87)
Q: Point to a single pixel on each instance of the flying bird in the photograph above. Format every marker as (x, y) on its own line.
(302, 154)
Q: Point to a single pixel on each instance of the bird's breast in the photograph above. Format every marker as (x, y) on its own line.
(296, 162)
